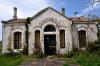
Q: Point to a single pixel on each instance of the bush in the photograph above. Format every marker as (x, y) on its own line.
(65, 65)
(93, 46)
(38, 54)
(25, 50)
(11, 54)
(0, 45)
(70, 54)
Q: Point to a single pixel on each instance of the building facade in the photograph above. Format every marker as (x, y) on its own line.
(49, 31)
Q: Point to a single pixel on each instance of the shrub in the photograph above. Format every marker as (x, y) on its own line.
(65, 65)
(93, 46)
(10, 49)
(70, 54)
(38, 54)
(10, 54)
(25, 50)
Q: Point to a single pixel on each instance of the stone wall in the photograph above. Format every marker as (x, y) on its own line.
(8, 30)
(91, 33)
(50, 17)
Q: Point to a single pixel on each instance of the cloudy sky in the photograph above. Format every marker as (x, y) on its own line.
(28, 8)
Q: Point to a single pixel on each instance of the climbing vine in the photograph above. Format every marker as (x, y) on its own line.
(98, 34)
(25, 50)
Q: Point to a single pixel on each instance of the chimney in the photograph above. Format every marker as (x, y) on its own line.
(63, 11)
(15, 13)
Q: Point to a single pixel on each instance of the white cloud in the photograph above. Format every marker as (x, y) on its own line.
(25, 8)
(91, 7)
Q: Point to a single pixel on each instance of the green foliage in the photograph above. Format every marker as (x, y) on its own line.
(27, 35)
(25, 50)
(70, 54)
(98, 20)
(10, 49)
(84, 59)
(65, 65)
(9, 60)
(93, 46)
(0, 45)
(38, 54)
(11, 54)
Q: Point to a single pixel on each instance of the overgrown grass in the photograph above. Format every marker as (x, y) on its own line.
(14, 60)
(7, 60)
(10, 61)
(84, 59)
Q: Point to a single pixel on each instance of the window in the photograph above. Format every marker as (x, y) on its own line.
(82, 38)
(37, 39)
(17, 40)
(49, 28)
(62, 38)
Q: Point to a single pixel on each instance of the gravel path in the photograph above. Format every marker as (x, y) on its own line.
(44, 62)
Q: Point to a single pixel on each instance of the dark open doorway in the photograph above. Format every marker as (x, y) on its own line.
(50, 44)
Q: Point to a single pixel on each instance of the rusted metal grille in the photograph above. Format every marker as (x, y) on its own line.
(82, 38)
(17, 40)
(62, 38)
(37, 39)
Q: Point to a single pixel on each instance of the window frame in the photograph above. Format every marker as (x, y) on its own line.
(61, 39)
(18, 40)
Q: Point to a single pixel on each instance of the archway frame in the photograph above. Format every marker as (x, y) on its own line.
(82, 28)
(22, 33)
(51, 33)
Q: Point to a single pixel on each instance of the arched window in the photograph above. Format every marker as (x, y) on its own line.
(49, 28)
(17, 40)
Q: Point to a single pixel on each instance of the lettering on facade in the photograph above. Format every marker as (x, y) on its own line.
(57, 22)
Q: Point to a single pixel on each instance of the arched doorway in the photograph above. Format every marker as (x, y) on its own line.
(50, 40)
(82, 38)
(17, 40)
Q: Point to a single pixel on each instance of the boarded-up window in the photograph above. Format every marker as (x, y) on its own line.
(37, 39)
(62, 38)
(17, 40)
(82, 38)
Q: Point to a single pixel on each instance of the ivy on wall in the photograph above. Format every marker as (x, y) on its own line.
(98, 20)
(25, 50)
(98, 34)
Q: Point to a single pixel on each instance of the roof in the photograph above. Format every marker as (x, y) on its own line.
(40, 12)
(81, 19)
(19, 20)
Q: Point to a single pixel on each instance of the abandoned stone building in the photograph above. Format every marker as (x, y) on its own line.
(49, 31)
